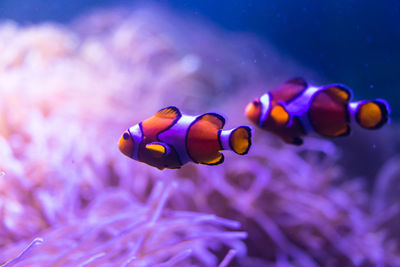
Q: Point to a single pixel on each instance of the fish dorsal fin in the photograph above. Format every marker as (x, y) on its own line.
(161, 121)
(158, 149)
(214, 119)
(297, 81)
(339, 93)
(289, 91)
(169, 112)
(280, 115)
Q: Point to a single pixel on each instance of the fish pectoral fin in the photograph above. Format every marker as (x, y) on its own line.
(338, 92)
(157, 149)
(169, 112)
(280, 115)
(289, 90)
(214, 119)
(218, 159)
(297, 81)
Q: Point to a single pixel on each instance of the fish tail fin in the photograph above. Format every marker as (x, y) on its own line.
(370, 114)
(238, 140)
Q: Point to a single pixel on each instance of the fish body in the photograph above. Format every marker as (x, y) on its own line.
(171, 139)
(295, 109)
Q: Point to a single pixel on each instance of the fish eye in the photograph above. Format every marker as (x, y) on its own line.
(256, 102)
(126, 136)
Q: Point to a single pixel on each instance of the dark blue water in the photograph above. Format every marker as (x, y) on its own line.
(352, 42)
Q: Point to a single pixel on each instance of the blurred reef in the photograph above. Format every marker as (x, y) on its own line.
(351, 42)
(68, 197)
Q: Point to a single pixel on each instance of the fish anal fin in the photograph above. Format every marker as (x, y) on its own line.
(157, 149)
(346, 131)
(169, 112)
(218, 159)
(214, 119)
(298, 141)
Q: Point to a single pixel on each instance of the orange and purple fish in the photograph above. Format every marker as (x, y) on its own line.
(296, 109)
(170, 139)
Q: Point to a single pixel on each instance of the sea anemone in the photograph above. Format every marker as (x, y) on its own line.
(70, 198)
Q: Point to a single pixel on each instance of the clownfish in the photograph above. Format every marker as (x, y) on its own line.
(171, 139)
(295, 109)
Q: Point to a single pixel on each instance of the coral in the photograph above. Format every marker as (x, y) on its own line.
(69, 197)
(117, 231)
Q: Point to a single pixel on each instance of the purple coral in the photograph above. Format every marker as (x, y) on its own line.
(117, 231)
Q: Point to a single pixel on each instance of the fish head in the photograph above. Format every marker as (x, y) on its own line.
(253, 111)
(126, 144)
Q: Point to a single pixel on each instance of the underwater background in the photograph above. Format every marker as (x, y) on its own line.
(74, 75)
(352, 42)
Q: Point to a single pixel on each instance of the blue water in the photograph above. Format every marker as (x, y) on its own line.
(352, 42)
